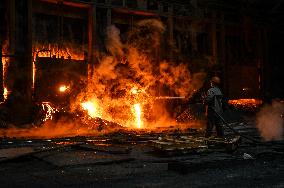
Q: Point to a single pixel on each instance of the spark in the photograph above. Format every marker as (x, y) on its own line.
(5, 94)
(169, 97)
(5, 65)
(92, 108)
(63, 88)
(138, 114)
(49, 110)
(52, 50)
(34, 74)
(246, 103)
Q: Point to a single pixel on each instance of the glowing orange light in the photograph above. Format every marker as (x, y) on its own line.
(92, 108)
(46, 106)
(34, 73)
(5, 94)
(134, 90)
(63, 88)
(51, 50)
(246, 103)
(138, 114)
(5, 64)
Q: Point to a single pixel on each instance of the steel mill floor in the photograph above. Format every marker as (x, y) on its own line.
(146, 160)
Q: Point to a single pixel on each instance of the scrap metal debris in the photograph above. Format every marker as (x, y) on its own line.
(191, 144)
(248, 105)
(247, 156)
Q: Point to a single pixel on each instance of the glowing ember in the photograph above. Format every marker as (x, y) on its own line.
(63, 88)
(5, 94)
(169, 97)
(49, 110)
(247, 104)
(134, 90)
(92, 108)
(138, 114)
(5, 64)
(53, 50)
(34, 73)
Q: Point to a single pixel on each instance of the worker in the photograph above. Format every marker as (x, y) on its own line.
(213, 104)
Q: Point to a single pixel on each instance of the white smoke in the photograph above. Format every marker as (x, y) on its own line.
(113, 42)
(270, 122)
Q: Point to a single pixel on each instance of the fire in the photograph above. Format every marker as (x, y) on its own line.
(92, 108)
(34, 73)
(134, 90)
(248, 104)
(63, 88)
(5, 94)
(130, 115)
(46, 106)
(53, 50)
(5, 63)
(138, 114)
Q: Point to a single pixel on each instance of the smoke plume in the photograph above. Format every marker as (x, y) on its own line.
(270, 122)
(113, 43)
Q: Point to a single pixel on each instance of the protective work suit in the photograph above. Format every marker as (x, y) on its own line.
(213, 102)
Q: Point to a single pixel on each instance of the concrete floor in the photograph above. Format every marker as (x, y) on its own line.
(77, 163)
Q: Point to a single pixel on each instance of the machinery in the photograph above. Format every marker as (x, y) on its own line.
(58, 79)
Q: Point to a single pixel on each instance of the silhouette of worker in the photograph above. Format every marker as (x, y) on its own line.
(213, 103)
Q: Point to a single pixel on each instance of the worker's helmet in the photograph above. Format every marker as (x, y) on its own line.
(215, 80)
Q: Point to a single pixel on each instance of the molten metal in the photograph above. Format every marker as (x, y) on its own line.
(138, 114)
(92, 108)
(34, 73)
(5, 64)
(63, 88)
(53, 50)
(49, 110)
(249, 104)
(5, 94)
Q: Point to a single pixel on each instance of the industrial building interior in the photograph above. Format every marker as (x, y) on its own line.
(106, 76)
(207, 36)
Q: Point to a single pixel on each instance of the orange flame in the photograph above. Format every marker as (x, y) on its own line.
(53, 50)
(248, 104)
(63, 88)
(92, 108)
(34, 73)
(253, 102)
(5, 63)
(138, 114)
(5, 94)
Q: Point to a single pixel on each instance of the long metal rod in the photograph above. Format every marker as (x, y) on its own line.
(169, 97)
(231, 128)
